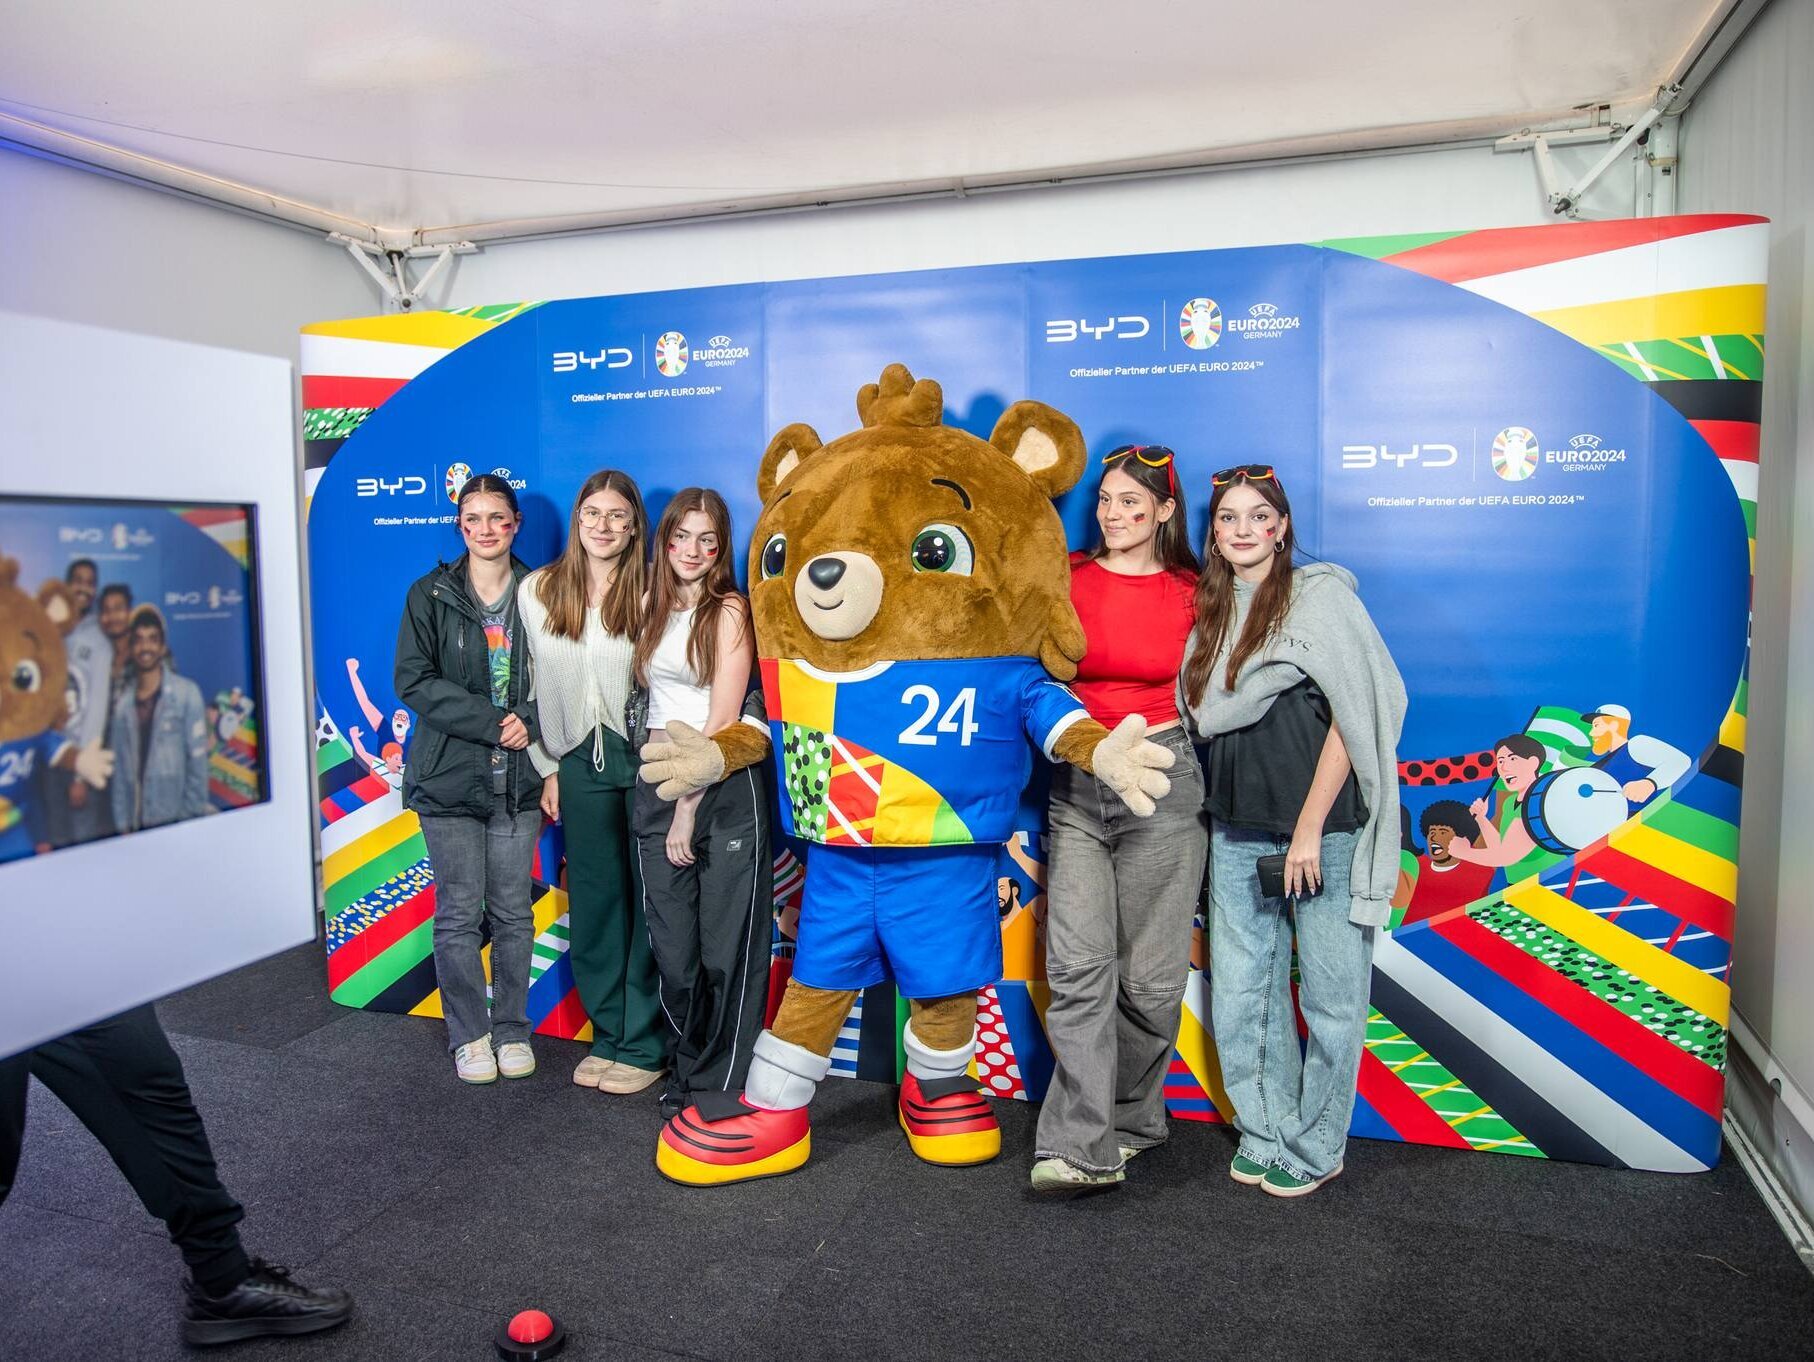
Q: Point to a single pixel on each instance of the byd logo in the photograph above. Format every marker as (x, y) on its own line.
(612, 357)
(1062, 330)
(69, 534)
(1424, 455)
(410, 486)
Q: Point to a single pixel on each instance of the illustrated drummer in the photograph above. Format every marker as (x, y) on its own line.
(1644, 766)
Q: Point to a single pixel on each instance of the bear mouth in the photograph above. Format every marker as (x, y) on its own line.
(833, 606)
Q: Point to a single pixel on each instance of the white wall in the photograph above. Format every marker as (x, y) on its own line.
(84, 248)
(1745, 145)
(1420, 192)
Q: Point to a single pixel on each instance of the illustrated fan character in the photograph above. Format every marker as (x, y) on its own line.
(910, 590)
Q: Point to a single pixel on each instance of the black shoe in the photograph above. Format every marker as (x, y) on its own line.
(673, 1103)
(267, 1302)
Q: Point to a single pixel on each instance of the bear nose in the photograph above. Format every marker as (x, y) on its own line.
(825, 572)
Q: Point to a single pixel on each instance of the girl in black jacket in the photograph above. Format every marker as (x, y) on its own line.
(460, 666)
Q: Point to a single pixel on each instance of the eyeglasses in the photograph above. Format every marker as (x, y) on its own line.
(589, 516)
(1153, 456)
(1252, 472)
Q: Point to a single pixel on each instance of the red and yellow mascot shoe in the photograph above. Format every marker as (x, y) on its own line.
(942, 1108)
(948, 1121)
(762, 1133)
(751, 1143)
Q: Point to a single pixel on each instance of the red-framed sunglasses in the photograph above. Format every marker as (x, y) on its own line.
(1153, 456)
(1252, 472)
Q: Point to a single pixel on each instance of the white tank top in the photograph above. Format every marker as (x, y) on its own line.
(674, 692)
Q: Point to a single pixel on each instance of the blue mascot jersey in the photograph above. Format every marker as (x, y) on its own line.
(910, 754)
(22, 764)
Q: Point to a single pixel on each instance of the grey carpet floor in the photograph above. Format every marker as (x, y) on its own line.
(363, 1163)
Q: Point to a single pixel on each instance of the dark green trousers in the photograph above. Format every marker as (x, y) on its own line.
(613, 967)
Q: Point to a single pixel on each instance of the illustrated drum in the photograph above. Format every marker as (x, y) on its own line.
(1573, 808)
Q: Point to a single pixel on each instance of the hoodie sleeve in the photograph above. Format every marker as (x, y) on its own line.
(446, 704)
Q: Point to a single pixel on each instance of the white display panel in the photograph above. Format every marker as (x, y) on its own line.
(88, 931)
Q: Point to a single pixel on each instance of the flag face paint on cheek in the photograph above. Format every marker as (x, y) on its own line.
(1140, 519)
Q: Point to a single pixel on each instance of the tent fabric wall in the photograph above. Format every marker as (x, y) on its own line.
(1744, 141)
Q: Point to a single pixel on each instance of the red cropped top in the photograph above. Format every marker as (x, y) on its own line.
(1134, 629)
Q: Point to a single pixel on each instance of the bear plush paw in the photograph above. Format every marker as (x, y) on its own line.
(685, 761)
(1132, 766)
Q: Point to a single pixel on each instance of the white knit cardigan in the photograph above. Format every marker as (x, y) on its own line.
(576, 684)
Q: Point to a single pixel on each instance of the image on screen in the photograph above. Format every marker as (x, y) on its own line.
(130, 693)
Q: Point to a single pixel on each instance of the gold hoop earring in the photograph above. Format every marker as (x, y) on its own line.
(1215, 549)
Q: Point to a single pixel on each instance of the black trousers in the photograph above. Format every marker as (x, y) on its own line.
(709, 927)
(124, 1082)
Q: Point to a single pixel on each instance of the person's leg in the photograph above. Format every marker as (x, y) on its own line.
(456, 855)
(15, 1083)
(670, 902)
(1335, 960)
(123, 1081)
(647, 1037)
(735, 905)
(509, 893)
(598, 893)
(1158, 874)
(1250, 993)
(1076, 1119)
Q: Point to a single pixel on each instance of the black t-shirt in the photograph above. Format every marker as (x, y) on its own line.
(1258, 777)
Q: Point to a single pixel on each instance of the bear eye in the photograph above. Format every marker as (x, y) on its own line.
(943, 548)
(28, 676)
(774, 556)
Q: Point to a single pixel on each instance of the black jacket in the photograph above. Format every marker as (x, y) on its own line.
(444, 676)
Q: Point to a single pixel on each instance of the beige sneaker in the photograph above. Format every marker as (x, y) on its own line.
(474, 1062)
(626, 1078)
(591, 1069)
(516, 1059)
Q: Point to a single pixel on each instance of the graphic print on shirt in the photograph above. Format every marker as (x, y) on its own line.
(910, 754)
(497, 644)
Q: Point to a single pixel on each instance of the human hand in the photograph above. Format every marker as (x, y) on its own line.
(680, 834)
(1637, 791)
(1132, 766)
(551, 798)
(1478, 807)
(685, 761)
(1304, 864)
(78, 794)
(355, 732)
(513, 734)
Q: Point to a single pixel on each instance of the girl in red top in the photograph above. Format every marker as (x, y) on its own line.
(1121, 890)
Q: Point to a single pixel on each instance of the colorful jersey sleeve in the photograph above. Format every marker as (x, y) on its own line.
(1048, 708)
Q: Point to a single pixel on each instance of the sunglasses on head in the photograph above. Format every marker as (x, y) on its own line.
(1153, 456)
(1252, 472)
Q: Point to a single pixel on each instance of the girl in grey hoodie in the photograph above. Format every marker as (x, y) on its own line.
(1289, 682)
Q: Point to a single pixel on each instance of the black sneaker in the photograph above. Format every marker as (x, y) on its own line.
(267, 1302)
(673, 1102)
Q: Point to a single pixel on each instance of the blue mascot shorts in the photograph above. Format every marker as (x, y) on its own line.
(925, 917)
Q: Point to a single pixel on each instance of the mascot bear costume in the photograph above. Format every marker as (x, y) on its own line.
(910, 590)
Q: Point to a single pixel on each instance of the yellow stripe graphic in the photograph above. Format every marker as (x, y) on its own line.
(437, 330)
(1677, 978)
(369, 847)
(1737, 309)
(1679, 858)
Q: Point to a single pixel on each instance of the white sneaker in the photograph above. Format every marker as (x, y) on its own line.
(591, 1070)
(474, 1062)
(1056, 1177)
(516, 1059)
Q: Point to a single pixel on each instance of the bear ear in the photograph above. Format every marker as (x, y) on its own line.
(1044, 442)
(9, 571)
(57, 603)
(786, 452)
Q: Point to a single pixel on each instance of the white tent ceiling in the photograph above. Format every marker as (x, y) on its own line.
(422, 114)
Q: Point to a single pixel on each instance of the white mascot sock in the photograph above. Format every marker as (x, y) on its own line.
(782, 1076)
(929, 1065)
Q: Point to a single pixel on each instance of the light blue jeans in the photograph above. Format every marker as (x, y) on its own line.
(1291, 1104)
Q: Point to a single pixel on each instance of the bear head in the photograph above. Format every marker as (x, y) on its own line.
(34, 666)
(910, 539)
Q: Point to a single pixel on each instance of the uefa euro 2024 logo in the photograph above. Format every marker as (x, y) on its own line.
(671, 354)
(1515, 453)
(1200, 323)
(457, 475)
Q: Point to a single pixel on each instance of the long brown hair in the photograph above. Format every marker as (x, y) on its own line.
(1171, 538)
(717, 589)
(1215, 596)
(562, 586)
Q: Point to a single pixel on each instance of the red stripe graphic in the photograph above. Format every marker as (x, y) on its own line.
(1676, 1069)
(1702, 907)
(1730, 439)
(1479, 254)
(1414, 1119)
(327, 390)
(565, 1018)
(364, 948)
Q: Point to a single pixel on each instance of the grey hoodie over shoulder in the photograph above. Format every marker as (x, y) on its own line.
(1328, 636)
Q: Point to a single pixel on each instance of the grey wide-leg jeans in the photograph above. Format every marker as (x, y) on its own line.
(1120, 891)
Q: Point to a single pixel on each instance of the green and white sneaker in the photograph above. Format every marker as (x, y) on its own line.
(516, 1059)
(474, 1062)
(1056, 1178)
(1247, 1172)
(1278, 1182)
